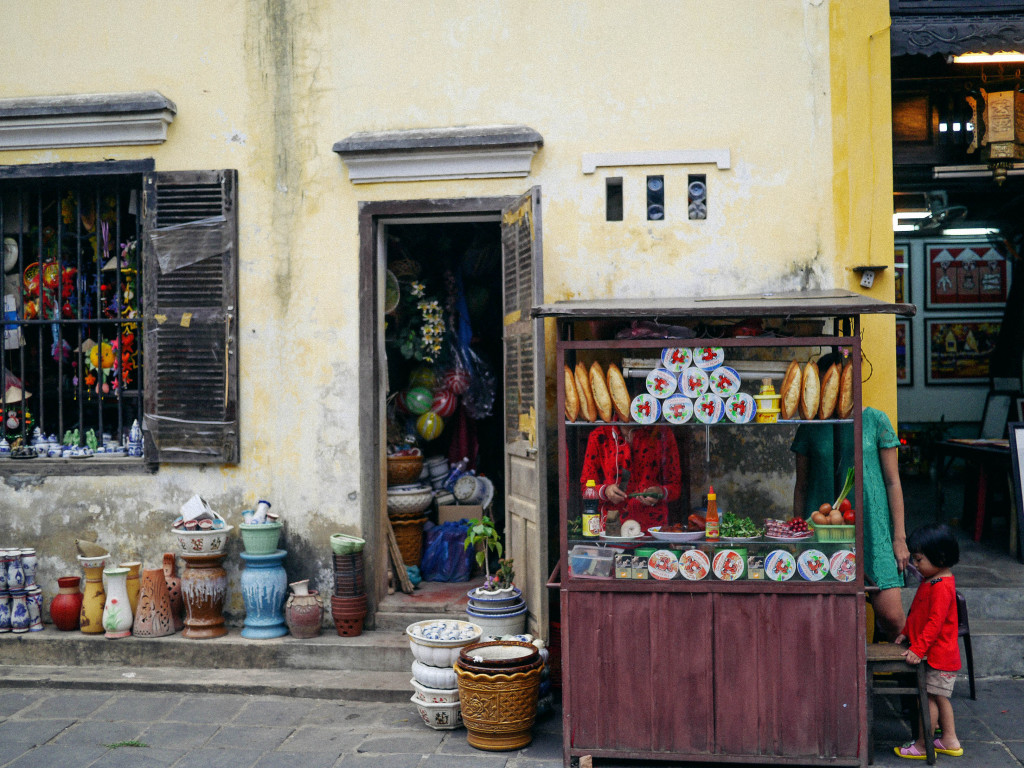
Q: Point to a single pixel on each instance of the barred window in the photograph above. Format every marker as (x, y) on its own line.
(72, 304)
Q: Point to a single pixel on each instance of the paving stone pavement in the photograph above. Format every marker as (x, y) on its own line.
(72, 728)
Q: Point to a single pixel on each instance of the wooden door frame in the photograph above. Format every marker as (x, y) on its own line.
(372, 471)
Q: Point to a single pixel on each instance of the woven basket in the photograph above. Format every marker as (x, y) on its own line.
(403, 470)
(409, 535)
(498, 710)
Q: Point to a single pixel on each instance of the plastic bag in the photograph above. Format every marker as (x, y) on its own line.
(445, 557)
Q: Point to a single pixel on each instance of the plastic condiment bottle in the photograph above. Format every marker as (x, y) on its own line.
(591, 511)
(711, 524)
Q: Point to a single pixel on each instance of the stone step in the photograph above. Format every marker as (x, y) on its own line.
(385, 687)
(397, 621)
(375, 651)
(998, 647)
(999, 603)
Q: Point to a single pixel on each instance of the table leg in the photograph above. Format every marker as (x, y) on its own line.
(927, 727)
(979, 512)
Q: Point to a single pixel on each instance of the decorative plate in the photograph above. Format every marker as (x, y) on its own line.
(779, 565)
(661, 383)
(738, 539)
(693, 382)
(616, 539)
(645, 409)
(709, 408)
(800, 537)
(657, 533)
(708, 358)
(676, 358)
(724, 381)
(843, 565)
(694, 565)
(728, 565)
(740, 408)
(663, 564)
(812, 565)
(677, 409)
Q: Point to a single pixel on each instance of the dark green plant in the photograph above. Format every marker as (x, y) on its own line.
(482, 531)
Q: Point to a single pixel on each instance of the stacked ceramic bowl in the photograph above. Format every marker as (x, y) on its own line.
(348, 603)
(435, 645)
(499, 612)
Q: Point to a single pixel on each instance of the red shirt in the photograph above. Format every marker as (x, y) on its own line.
(932, 624)
(651, 457)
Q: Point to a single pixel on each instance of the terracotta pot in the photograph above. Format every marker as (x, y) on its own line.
(348, 604)
(349, 626)
(134, 568)
(174, 591)
(66, 606)
(204, 586)
(153, 617)
(304, 614)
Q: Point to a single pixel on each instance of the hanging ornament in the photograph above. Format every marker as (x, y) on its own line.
(429, 425)
(456, 380)
(422, 377)
(418, 400)
(444, 403)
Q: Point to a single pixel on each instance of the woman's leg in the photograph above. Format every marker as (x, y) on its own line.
(888, 605)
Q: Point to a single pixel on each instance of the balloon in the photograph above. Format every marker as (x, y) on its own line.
(429, 425)
(456, 380)
(444, 403)
(422, 377)
(418, 400)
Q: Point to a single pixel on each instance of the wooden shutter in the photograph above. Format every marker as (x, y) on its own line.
(190, 301)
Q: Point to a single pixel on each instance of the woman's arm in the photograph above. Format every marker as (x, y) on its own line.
(894, 492)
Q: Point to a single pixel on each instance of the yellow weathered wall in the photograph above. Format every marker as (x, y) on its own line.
(797, 90)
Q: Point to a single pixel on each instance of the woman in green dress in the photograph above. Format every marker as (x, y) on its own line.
(824, 452)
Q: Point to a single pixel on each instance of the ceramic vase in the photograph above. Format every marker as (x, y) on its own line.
(117, 611)
(3, 570)
(66, 606)
(174, 591)
(153, 617)
(29, 561)
(264, 586)
(204, 587)
(5, 611)
(94, 597)
(19, 611)
(15, 571)
(134, 568)
(304, 614)
(34, 597)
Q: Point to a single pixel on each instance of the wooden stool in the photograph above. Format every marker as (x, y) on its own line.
(887, 657)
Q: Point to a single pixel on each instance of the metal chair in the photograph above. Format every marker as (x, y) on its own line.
(887, 657)
(964, 631)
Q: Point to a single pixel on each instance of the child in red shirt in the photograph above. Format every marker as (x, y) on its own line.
(931, 629)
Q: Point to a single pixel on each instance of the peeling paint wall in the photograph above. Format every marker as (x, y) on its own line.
(796, 90)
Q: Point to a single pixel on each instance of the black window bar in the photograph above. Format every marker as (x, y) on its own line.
(76, 278)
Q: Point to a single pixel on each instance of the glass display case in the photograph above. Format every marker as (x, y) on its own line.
(678, 645)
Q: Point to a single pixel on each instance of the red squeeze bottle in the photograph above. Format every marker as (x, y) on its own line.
(711, 524)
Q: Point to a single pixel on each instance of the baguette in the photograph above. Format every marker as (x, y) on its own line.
(829, 392)
(619, 392)
(599, 388)
(586, 397)
(572, 401)
(790, 391)
(846, 392)
(810, 391)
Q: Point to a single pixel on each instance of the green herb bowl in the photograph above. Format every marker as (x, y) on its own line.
(260, 538)
(343, 544)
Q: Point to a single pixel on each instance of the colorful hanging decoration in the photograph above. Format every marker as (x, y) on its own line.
(418, 400)
(444, 403)
(429, 425)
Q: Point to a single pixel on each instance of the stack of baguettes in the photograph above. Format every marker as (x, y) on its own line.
(808, 395)
(595, 395)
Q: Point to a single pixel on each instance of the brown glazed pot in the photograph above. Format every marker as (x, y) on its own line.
(204, 585)
(153, 617)
(174, 591)
(498, 710)
(304, 614)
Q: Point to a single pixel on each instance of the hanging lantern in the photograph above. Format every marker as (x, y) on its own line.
(999, 130)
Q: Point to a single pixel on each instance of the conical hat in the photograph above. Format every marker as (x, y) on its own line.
(15, 395)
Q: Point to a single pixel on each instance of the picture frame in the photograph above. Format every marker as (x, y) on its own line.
(1016, 433)
(966, 275)
(904, 354)
(901, 274)
(958, 350)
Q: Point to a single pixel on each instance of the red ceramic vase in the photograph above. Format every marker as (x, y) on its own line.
(66, 605)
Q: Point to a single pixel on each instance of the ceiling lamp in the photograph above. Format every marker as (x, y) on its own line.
(1002, 57)
(998, 129)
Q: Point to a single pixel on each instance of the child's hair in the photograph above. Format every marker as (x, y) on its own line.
(936, 542)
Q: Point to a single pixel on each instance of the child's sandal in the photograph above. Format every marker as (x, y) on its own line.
(910, 751)
(958, 752)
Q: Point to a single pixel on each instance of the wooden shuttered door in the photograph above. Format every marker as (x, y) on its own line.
(190, 262)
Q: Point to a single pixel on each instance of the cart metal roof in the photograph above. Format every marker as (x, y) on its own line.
(824, 303)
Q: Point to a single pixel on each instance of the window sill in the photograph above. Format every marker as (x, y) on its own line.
(94, 465)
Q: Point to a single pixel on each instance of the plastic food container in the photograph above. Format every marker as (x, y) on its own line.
(592, 562)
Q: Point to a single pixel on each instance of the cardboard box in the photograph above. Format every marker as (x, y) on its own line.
(447, 512)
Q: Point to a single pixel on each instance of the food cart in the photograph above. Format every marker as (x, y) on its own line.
(672, 648)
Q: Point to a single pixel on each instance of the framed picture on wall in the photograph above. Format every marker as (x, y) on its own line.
(958, 351)
(901, 265)
(904, 361)
(966, 276)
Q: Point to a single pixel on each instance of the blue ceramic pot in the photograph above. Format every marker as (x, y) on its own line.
(264, 589)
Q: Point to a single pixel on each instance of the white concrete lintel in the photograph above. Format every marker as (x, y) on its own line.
(377, 167)
(84, 130)
(594, 160)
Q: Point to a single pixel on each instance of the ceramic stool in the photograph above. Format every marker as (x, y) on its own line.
(204, 586)
(264, 589)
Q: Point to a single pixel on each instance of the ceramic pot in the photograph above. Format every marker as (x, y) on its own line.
(204, 587)
(498, 710)
(117, 611)
(5, 611)
(29, 561)
(497, 655)
(153, 617)
(133, 583)
(349, 625)
(34, 597)
(66, 606)
(15, 571)
(3, 570)
(90, 620)
(300, 588)
(304, 614)
(174, 591)
(264, 586)
(19, 611)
